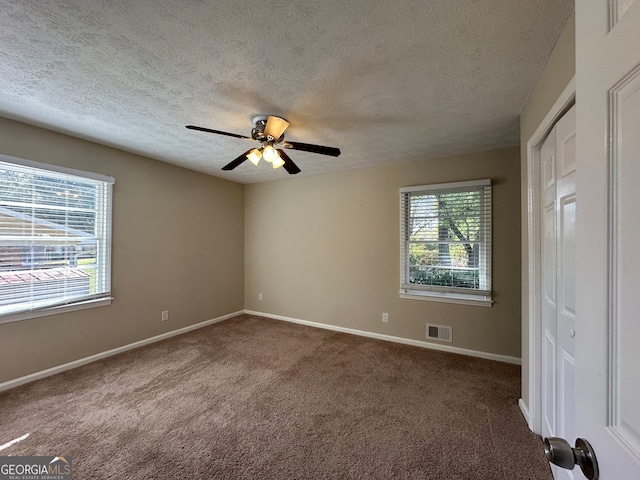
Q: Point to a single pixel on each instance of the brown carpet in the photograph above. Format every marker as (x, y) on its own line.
(257, 398)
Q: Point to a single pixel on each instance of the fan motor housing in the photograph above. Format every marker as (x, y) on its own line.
(257, 132)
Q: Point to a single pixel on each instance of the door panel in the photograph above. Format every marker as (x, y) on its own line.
(558, 279)
(608, 233)
(549, 384)
(549, 254)
(566, 398)
(567, 394)
(625, 242)
(548, 277)
(565, 216)
(567, 149)
(619, 8)
(568, 266)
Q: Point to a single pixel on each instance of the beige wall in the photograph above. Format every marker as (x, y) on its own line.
(558, 72)
(177, 246)
(326, 249)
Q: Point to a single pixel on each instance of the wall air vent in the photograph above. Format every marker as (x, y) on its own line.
(439, 332)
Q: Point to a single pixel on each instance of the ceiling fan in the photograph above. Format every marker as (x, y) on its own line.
(269, 131)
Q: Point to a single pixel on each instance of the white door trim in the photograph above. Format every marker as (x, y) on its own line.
(534, 401)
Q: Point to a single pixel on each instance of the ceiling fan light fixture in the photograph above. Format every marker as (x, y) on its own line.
(268, 130)
(254, 156)
(277, 162)
(269, 153)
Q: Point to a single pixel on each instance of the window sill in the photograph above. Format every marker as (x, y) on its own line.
(15, 317)
(460, 299)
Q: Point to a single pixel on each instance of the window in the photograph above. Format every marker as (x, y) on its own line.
(55, 238)
(445, 244)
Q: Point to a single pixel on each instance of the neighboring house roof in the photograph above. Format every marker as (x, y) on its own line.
(16, 224)
(37, 276)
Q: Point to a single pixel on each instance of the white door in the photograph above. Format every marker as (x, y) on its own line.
(558, 175)
(608, 233)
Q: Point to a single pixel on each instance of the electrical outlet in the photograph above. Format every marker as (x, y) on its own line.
(165, 315)
(385, 318)
(259, 296)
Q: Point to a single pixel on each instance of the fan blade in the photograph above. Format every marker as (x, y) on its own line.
(275, 127)
(233, 164)
(289, 166)
(202, 129)
(307, 147)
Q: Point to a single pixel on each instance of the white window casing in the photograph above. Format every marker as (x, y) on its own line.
(55, 239)
(445, 242)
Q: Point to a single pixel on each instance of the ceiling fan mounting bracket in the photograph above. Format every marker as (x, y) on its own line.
(260, 120)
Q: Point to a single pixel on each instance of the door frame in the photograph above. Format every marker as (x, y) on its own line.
(532, 410)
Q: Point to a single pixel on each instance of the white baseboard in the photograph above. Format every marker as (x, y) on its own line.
(525, 412)
(390, 338)
(379, 336)
(99, 356)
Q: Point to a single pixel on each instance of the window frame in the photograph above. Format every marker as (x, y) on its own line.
(479, 297)
(105, 207)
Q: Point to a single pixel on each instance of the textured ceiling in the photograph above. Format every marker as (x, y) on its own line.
(385, 81)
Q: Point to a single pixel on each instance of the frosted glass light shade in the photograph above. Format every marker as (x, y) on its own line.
(278, 161)
(269, 153)
(254, 156)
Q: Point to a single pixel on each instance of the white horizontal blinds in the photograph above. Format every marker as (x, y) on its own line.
(55, 238)
(447, 238)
